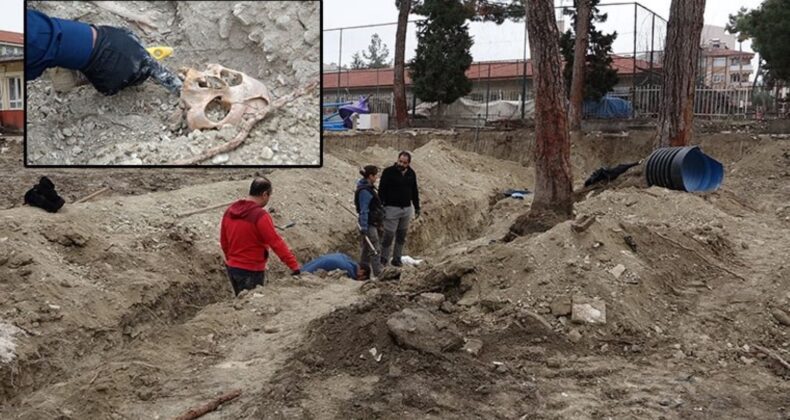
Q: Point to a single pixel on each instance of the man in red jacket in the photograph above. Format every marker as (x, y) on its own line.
(246, 234)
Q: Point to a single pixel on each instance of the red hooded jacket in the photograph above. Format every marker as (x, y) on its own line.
(246, 234)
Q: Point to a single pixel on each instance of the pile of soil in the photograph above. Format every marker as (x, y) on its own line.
(275, 42)
(668, 305)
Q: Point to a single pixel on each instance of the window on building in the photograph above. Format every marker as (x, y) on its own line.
(719, 61)
(15, 95)
(717, 78)
(735, 77)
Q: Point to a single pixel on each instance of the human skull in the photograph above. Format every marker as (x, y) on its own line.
(236, 92)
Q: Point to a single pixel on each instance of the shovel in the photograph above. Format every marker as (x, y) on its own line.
(370, 244)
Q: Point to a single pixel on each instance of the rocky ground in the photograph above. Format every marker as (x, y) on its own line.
(275, 42)
(668, 305)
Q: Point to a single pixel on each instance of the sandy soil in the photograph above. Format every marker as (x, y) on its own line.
(275, 42)
(118, 308)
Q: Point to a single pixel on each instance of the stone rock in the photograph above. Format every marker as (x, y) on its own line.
(431, 299)
(220, 159)
(70, 237)
(533, 321)
(270, 329)
(781, 317)
(267, 153)
(561, 306)
(500, 367)
(574, 335)
(419, 329)
(473, 346)
(132, 161)
(389, 273)
(447, 307)
(617, 271)
(592, 312)
(67, 132)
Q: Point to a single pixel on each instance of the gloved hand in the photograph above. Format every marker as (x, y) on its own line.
(118, 60)
(363, 231)
(296, 272)
(417, 213)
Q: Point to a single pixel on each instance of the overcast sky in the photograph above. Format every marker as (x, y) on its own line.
(11, 15)
(505, 41)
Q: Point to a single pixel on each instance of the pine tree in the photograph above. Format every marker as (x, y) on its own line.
(599, 76)
(443, 52)
(357, 62)
(377, 53)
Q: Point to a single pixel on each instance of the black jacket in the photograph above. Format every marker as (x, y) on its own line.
(399, 189)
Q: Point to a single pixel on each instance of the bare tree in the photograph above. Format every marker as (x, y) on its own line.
(676, 112)
(553, 183)
(583, 16)
(399, 83)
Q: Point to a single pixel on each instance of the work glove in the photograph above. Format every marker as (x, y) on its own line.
(363, 231)
(118, 60)
(296, 272)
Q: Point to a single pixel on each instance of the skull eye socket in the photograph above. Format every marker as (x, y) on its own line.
(231, 78)
(217, 110)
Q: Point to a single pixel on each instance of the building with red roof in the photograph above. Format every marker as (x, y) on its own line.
(501, 79)
(12, 96)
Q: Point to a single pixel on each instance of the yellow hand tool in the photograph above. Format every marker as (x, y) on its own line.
(160, 52)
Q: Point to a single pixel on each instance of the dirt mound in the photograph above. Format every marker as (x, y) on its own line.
(119, 307)
(124, 282)
(351, 368)
(275, 42)
(690, 285)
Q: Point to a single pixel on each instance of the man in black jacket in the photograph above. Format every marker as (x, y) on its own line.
(398, 192)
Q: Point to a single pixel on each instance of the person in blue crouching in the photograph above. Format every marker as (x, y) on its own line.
(336, 261)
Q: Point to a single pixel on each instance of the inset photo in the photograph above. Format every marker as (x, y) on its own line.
(172, 83)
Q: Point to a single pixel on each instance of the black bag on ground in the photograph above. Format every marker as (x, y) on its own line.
(608, 174)
(44, 196)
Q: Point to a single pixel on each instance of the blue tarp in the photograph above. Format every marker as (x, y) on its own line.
(607, 107)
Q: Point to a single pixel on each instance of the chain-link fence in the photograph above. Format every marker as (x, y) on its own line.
(501, 75)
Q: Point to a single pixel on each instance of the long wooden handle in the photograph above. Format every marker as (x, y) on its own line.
(88, 197)
(205, 209)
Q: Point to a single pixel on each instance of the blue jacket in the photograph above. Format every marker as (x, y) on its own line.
(364, 203)
(52, 42)
(330, 262)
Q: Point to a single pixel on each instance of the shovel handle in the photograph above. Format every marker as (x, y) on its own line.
(370, 244)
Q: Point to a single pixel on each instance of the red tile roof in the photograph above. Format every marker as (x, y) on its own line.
(477, 71)
(12, 38)
(723, 52)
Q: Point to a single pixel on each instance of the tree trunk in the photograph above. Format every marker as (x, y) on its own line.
(399, 84)
(552, 202)
(579, 61)
(676, 113)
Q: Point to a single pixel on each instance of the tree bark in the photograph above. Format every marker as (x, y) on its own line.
(399, 83)
(579, 61)
(552, 202)
(676, 112)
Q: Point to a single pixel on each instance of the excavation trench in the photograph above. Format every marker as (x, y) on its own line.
(156, 329)
(155, 279)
